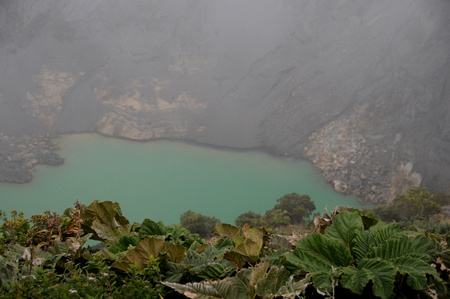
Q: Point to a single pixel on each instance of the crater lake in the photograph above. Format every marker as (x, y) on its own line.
(162, 179)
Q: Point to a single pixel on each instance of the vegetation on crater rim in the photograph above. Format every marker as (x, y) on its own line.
(351, 254)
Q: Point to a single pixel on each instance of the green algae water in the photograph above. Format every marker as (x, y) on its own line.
(162, 179)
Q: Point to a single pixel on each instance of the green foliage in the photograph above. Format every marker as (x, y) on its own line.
(196, 223)
(417, 204)
(441, 198)
(248, 243)
(47, 256)
(105, 221)
(14, 230)
(201, 263)
(125, 243)
(172, 233)
(292, 208)
(252, 218)
(351, 257)
(148, 251)
(259, 281)
(298, 207)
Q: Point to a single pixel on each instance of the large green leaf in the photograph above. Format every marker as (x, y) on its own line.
(257, 273)
(255, 282)
(248, 244)
(417, 271)
(325, 280)
(176, 252)
(279, 241)
(125, 242)
(375, 236)
(213, 270)
(274, 283)
(227, 230)
(151, 228)
(414, 246)
(317, 252)
(381, 273)
(274, 258)
(383, 232)
(251, 247)
(236, 258)
(105, 221)
(203, 265)
(148, 250)
(345, 227)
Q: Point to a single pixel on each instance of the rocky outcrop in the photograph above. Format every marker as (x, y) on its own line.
(359, 88)
(135, 116)
(348, 161)
(19, 154)
(46, 103)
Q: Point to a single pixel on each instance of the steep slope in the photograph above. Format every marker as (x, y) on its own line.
(358, 87)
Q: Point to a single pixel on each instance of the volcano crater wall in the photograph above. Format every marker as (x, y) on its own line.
(358, 87)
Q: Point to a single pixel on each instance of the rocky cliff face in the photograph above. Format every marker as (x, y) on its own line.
(358, 87)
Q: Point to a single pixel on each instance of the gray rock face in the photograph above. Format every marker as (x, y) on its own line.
(358, 87)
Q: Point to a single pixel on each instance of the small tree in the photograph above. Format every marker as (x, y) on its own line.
(196, 223)
(252, 218)
(417, 204)
(276, 217)
(297, 207)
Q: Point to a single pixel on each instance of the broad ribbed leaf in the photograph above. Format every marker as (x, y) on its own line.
(383, 232)
(279, 241)
(211, 252)
(148, 249)
(225, 244)
(247, 246)
(356, 279)
(151, 228)
(323, 280)
(273, 282)
(204, 265)
(237, 259)
(251, 247)
(317, 252)
(227, 230)
(105, 221)
(417, 247)
(345, 227)
(274, 258)
(229, 288)
(293, 288)
(175, 272)
(213, 270)
(375, 236)
(381, 273)
(257, 234)
(416, 270)
(258, 272)
(124, 243)
(176, 252)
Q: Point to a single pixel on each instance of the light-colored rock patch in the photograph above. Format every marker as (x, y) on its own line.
(46, 103)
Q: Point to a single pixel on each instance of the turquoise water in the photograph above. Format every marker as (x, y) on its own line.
(162, 179)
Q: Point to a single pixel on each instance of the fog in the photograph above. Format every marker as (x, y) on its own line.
(358, 87)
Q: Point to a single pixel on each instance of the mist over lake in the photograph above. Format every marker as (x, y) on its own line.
(161, 179)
